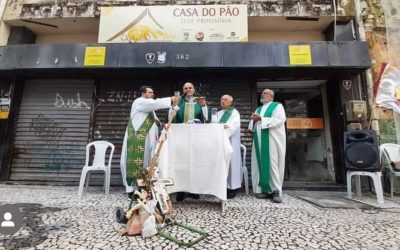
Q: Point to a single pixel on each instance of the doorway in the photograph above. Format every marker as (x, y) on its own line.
(308, 142)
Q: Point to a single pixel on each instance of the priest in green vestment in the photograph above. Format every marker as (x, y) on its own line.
(141, 135)
(191, 107)
(230, 117)
(269, 148)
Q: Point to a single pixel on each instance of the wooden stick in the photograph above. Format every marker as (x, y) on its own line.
(154, 159)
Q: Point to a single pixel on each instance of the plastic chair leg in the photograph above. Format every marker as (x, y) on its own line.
(246, 179)
(358, 185)
(378, 187)
(391, 184)
(82, 182)
(87, 180)
(107, 181)
(348, 185)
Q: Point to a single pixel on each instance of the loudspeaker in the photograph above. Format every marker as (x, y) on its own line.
(361, 151)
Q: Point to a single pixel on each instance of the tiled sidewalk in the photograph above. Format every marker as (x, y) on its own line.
(56, 219)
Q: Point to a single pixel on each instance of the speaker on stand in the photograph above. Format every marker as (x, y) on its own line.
(362, 159)
(361, 151)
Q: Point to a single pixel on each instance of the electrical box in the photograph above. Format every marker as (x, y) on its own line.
(356, 111)
(354, 126)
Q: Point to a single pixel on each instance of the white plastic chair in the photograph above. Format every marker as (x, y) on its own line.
(98, 164)
(376, 177)
(244, 168)
(390, 153)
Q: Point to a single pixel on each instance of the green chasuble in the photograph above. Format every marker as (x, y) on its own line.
(182, 116)
(227, 114)
(262, 153)
(135, 148)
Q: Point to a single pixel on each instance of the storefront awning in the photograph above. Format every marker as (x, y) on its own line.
(274, 55)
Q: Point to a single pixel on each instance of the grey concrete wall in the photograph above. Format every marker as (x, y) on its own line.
(19, 9)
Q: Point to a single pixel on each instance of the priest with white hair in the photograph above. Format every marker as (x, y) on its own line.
(230, 117)
(141, 135)
(269, 148)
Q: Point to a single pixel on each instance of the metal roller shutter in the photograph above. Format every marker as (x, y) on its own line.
(52, 131)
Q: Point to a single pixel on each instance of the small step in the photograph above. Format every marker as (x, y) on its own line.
(314, 186)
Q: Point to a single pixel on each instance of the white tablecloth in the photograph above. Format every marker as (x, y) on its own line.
(196, 157)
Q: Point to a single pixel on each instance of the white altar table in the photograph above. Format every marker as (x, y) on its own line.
(196, 157)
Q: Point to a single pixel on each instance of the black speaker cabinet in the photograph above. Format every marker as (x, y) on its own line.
(361, 151)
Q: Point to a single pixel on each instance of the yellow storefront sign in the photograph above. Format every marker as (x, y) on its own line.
(305, 123)
(4, 107)
(300, 55)
(3, 114)
(95, 56)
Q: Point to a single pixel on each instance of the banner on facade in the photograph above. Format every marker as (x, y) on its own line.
(178, 23)
(388, 94)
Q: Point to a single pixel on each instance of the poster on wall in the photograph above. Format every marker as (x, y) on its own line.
(5, 100)
(185, 23)
(300, 54)
(4, 108)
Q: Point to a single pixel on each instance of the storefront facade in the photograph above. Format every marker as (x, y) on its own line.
(61, 104)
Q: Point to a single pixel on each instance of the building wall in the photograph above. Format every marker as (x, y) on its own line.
(4, 27)
(286, 36)
(66, 17)
(66, 38)
(375, 30)
(18, 9)
(253, 37)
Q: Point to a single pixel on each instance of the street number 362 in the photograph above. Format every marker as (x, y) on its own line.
(182, 56)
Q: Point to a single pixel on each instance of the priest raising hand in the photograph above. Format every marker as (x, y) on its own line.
(191, 107)
(141, 135)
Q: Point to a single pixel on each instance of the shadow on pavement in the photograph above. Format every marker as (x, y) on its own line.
(37, 230)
